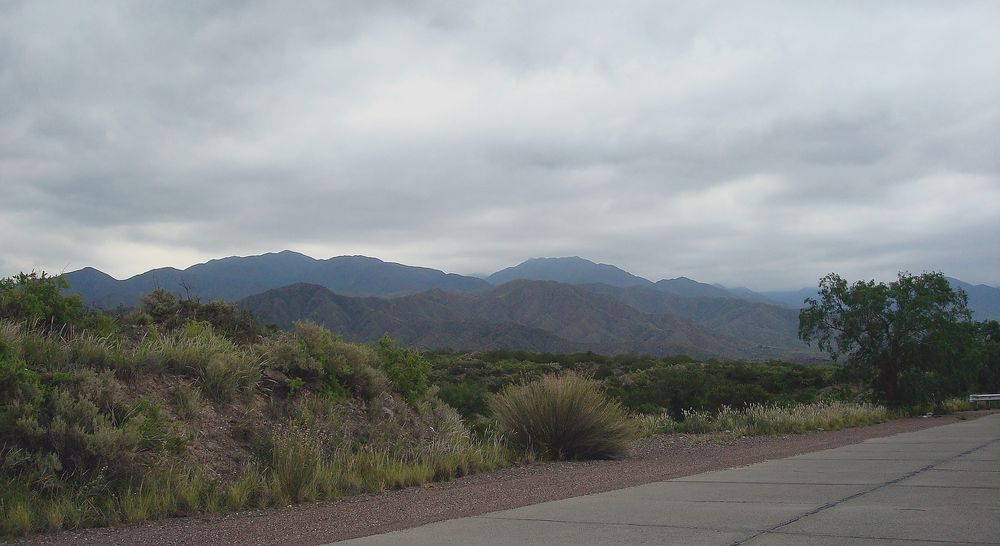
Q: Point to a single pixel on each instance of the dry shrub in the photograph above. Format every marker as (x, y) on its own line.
(564, 416)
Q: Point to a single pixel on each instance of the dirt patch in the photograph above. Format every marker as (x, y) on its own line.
(655, 459)
(213, 444)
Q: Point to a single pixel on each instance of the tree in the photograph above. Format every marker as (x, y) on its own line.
(913, 339)
(989, 376)
(39, 297)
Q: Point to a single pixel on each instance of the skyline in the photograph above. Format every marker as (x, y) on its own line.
(759, 145)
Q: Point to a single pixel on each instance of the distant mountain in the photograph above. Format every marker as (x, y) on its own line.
(570, 270)
(683, 286)
(793, 298)
(237, 277)
(755, 322)
(984, 301)
(749, 295)
(531, 315)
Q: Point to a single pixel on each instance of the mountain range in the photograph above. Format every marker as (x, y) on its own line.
(237, 277)
(544, 304)
(529, 315)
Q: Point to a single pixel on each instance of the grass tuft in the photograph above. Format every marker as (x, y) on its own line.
(187, 401)
(295, 465)
(17, 520)
(564, 416)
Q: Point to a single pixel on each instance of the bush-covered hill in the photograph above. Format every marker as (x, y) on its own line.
(180, 408)
(531, 315)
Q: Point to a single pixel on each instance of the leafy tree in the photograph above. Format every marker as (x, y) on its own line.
(38, 297)
(912, 340)
(989, 376)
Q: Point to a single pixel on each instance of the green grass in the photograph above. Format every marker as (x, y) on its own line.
(295, 466)
(187, 401)
(17, 519)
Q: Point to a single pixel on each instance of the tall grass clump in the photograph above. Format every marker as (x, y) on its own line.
(187, 401)
(564, 416)
(296, 458)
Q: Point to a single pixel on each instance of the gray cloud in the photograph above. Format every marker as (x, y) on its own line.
(762, 144)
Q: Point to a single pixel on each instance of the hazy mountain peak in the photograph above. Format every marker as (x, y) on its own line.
(683, 286)
(567, 269)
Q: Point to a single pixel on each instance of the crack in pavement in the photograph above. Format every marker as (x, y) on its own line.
(831, 504)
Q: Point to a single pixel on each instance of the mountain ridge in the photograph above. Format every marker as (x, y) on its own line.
(530, 315)
(236, 277)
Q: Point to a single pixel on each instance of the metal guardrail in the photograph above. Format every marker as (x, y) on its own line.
(988, 399)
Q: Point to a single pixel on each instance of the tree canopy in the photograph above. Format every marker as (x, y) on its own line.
(38, 297)
(912, 339)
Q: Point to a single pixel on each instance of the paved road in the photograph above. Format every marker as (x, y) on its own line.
(935, 486)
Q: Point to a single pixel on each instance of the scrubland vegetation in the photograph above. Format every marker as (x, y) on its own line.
(180, 408)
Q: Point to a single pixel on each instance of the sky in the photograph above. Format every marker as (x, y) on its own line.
(758, 144)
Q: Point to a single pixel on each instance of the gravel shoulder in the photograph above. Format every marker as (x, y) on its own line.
(658, 458)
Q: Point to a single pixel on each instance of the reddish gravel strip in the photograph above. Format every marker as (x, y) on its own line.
(656, 459)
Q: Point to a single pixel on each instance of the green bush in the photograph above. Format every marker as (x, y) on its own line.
(324, 362)
(38, 298)
(564, 416)
(406, 368)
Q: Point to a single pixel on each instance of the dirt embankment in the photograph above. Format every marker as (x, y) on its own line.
(655, 459)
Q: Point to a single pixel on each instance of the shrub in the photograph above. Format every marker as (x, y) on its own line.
(406, 368)
(38, 297)
(564, 416)
(324, 362)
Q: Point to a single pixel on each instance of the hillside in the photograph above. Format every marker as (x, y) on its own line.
(755, 322)
(237, 277)
(531, 315)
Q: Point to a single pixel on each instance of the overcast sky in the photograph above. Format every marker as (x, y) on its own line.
(761, 144)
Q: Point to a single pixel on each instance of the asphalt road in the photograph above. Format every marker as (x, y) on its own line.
(935, 486)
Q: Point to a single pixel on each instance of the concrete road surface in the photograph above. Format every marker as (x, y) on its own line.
(935, 486)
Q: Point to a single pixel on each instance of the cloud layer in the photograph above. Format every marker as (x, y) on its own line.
(762, 145)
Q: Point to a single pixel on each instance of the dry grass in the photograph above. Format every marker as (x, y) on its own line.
(763, 420)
